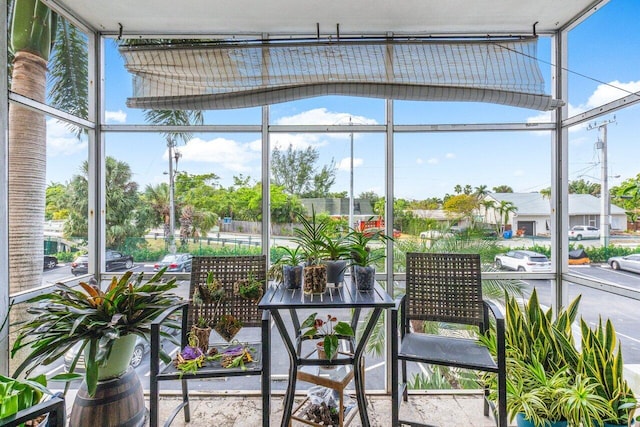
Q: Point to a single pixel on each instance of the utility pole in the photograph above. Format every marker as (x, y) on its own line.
(605, 203)
(173, 154)
(351, 181)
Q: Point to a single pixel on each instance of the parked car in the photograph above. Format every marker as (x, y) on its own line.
(523, 261)
(627, 262)
(579, 232)
(174, 262)
(114, 260)
(50, 262)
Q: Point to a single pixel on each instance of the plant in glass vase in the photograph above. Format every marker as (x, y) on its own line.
(310, 237)
(330, 330)
(287, 268)
(363, 256)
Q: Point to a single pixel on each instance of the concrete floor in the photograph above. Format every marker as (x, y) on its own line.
(241, 411)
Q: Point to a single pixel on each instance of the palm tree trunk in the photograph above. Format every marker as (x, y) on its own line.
(27, 174)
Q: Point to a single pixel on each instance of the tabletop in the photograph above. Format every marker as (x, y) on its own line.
(344, 296)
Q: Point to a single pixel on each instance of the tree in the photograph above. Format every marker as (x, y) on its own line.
(122, 201)
(462, 204)
(55, 203)
(581, 186)
(173, 118)
(505, 209)
(627, 196)
(295, 171)
(546, 193)
(154, 210)
(40, 41)
(480, 191)
(502, 189)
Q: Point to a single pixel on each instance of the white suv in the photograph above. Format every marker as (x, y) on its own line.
(523, 261)
(579, 232)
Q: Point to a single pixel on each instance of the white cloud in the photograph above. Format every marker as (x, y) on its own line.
(299, 141)
(450, 156)
(115, 116)
(316, 116)
(231, 154)
(603, 94)
(60, 141)
(345, 164)
(433, 161)
(610, 92)
(321, 116)
(419, 161)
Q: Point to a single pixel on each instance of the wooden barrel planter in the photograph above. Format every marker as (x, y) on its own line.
(118, 402)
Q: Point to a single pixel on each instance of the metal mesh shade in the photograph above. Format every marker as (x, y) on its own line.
(225, 76)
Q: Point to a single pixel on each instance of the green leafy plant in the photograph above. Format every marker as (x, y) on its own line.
(602, 363)
(331, 330)
(17, 395)
(541, 359)
(249, 288)
(93, 317)
(289, 257)
(311, 237)
(361, 253)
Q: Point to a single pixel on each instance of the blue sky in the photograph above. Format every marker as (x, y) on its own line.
(427, 165)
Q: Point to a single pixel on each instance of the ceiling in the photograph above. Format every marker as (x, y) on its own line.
(303, 17)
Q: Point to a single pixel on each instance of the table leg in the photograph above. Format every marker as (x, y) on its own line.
(358, 369)
(293, 368)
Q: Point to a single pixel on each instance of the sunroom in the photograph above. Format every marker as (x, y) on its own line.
(205, 129)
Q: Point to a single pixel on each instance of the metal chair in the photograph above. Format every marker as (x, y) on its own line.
(228, 270)
(446, 288)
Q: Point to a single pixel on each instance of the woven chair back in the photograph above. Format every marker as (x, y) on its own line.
(228, 270)
(444, 287)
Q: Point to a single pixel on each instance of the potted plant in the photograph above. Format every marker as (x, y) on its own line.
(249, 288)
(17, 395)
(310, 238)
(363, 257)
(541, 360)
(334, 253)
(602, 362)
(210, 292)
(104, 322)
(330, 330)
(287, 268)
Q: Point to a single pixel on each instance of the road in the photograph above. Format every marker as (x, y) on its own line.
(594, 303)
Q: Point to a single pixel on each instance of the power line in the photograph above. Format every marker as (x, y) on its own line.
(570, 71)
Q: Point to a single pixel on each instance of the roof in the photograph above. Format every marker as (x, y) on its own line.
(535, 204)
(429, 17)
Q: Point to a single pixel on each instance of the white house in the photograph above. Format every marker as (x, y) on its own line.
(533, 214)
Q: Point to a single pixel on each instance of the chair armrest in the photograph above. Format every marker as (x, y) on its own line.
(494, 309)
(400, 307)
(54, 406)
(500, 331)
(156, 348)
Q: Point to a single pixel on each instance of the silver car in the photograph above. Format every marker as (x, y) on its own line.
(627, 262)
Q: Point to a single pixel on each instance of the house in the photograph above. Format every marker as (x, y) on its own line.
(533, 214)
